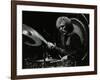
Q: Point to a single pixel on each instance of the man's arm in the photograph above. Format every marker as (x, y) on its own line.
(60, 50)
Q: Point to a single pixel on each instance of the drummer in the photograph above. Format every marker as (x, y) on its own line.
(69, 45)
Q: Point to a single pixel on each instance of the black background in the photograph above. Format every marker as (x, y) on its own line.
(45, 24)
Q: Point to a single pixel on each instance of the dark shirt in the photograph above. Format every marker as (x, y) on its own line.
(69, 45)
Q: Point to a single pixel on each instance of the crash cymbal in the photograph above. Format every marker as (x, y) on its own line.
(31, 37)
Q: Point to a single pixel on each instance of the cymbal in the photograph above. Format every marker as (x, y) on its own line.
(30, 33)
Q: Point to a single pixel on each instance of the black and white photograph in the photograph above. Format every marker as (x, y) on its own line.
(53, 39)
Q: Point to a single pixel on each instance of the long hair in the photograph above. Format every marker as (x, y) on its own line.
(65, 20)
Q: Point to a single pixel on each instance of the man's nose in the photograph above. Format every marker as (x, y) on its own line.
(60, 28)
(63, 28)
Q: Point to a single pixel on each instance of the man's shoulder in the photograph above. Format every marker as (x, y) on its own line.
(73, 34)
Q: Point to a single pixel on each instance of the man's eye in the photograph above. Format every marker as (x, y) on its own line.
(60, 28)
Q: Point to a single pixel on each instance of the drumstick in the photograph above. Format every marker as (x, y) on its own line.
(40, 36)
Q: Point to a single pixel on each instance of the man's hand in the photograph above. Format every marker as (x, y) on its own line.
(50, 45)
(64, 58)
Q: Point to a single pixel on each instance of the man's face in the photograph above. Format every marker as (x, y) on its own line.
(62, 28)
